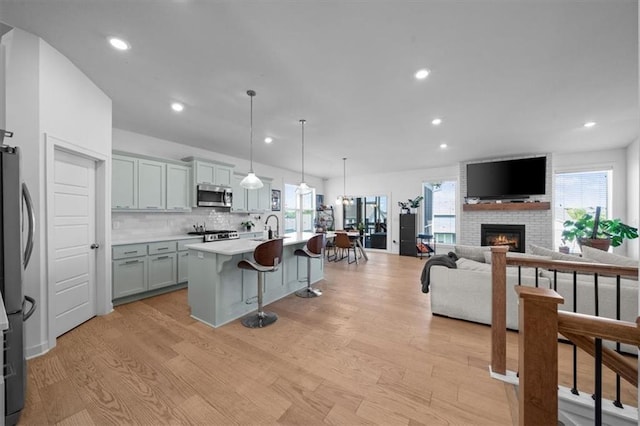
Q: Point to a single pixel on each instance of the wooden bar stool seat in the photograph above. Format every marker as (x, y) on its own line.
(267, 257)
(312, 250)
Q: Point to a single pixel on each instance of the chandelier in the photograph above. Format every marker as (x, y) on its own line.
(344, 199)
(251, 181)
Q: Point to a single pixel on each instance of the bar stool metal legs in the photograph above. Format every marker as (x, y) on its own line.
(308, 291)
(259, 319)
(267, 258)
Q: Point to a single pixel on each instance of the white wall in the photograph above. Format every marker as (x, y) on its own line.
(47, 94)
(633, 196)
(400, 186)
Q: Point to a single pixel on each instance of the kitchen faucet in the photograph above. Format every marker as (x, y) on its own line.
(277, 224)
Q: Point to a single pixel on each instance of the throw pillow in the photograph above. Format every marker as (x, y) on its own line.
(601, 256)
(472, 252)
(472, 265)
(556, 255)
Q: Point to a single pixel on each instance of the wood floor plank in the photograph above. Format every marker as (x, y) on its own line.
(368, 351)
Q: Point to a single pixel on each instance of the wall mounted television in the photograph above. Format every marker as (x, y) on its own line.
(507, 179)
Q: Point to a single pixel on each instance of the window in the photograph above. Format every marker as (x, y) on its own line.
(579, 190)
(439, 211)
(299, 211)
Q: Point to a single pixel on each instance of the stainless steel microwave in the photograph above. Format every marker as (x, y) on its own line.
(214, 196)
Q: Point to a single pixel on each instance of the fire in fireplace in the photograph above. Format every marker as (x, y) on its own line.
(503, 235)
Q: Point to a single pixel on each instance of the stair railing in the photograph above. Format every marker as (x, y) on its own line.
(539, 325)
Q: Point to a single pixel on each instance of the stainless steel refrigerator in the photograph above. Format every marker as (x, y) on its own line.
(17, 212)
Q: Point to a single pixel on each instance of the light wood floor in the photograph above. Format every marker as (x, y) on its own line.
(367, 352)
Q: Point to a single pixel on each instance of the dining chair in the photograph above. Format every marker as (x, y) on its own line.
(343, 242)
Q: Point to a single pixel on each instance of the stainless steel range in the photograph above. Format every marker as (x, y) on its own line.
(211, 235)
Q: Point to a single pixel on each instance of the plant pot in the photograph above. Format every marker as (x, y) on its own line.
(597, 243)
(564, 249)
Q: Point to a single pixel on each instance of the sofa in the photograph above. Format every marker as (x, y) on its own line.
(464, 292)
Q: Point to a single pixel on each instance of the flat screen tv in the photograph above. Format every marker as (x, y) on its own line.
(508, 179)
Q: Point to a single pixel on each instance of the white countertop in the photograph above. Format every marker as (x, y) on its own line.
(154, 239)
(232, 247)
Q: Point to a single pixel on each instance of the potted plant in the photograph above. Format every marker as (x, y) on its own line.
(591, 230)
(247, 224)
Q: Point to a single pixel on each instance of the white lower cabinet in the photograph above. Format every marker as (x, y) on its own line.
(129, 276)
(140, 269)
(183, 266)
(163, 270)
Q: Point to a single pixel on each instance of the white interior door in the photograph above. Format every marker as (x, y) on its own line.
(74, 223)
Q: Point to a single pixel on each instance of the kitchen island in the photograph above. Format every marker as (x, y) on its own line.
(220, 292)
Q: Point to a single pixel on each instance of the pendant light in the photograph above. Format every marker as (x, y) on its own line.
(251, 181)
(343, 199)
(303, 188)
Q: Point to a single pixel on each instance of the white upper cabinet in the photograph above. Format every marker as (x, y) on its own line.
(152, 181)
(124, 185)
(205, 173)
(178, 187)
(145, 184)
(239, 203)
(210, 173)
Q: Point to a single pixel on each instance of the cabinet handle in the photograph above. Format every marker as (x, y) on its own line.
(122, 207)
(129, 262)
(162, 248)
(162, 257)
(152, 207)
(130, 252)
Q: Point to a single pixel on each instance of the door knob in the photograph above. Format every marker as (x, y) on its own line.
(95, 246)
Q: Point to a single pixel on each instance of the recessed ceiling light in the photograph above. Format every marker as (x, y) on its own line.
(177, 106)
(443, 145)
(119, 44)
(422, 74)
(268, 140)
(436, 121)
(589, 124)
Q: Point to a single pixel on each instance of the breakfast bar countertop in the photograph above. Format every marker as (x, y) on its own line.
(246, 245)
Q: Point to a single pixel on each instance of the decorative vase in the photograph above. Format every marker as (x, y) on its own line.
(597, 243)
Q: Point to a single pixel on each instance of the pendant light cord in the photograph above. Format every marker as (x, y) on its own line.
(251, 94)
(302, 122)
(344, 174)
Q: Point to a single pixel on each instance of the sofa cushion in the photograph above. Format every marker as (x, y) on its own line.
(472, 252)
(472, 265)
(556, 255)
(487, 256)
(601, 256)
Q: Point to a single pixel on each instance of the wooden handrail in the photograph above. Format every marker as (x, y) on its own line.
(499, 309)
(599, 327)
(603, 269)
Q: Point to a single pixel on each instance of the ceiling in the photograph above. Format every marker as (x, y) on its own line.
(507, 78)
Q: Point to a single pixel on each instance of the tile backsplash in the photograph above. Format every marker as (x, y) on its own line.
(127, 225)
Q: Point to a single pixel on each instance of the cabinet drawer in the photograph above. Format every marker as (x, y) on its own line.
(162, 247)
(131, 250)
(183, 243)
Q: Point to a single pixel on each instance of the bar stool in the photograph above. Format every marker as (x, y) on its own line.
(312, 250)
(267, 257)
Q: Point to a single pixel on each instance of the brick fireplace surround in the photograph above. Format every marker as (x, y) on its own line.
(538, 223)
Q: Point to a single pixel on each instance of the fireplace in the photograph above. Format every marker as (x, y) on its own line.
(503, 235)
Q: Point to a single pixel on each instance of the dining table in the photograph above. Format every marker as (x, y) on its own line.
(353, 235)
